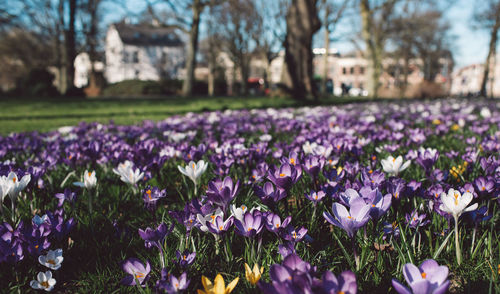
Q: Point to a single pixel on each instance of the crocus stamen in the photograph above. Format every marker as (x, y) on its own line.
(482, 189)
(373, 205)
(45, 284)
(51, 261)
(149, 194)
(424, 275)
(249, 229)
(139, 275)
(184, 257)
(282, 175)
(14, 180)
(220, 228)
(277, 225)
(90, 174)
(349, 217)
(292, 161)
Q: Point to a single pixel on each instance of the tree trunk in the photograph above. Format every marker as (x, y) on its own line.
(302, 22)
(211, 77)
(187, 86)
(244, 68)
(92, 40)
(71, 44)
(63, 61)
(327, 49)
(491, 51)
(373, 45)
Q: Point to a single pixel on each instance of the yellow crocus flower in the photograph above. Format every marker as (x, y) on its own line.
(253, 276)
(218, 287)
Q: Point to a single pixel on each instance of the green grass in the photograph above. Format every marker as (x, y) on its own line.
(45, 114)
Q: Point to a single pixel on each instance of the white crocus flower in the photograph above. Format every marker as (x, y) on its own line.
(194, 170)
(52, 260)
(127, 173)
(16, 185)
(265, 138)
(44, 281)
(4, 188)
(455, 204)
(203, 219)
(309, 147)
(89, 180)
(239, 212)
(393, 165)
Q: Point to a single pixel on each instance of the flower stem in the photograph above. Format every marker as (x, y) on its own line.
(457, 244)
(356, 256)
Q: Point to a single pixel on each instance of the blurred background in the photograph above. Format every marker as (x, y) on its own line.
(300, 48)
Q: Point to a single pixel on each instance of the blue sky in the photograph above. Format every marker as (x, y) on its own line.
(471, 46)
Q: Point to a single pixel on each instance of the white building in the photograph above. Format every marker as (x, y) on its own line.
(143, 52)
(466, 81)
(83, 69)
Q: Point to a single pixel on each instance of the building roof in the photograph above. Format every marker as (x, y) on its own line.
(147, 35)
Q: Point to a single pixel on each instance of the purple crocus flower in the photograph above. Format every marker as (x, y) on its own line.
(357, 216)
(391, 229)
(268, 194)
(313, 165)
(151, 196)
(136, 271)
(429, 277)
(185, 217)
(185, 258)
(273, 222)
(286, 249)
(344, 283)
(293, 276)
(427, 157)
(251, 225)
(315, 197)
(155, 237)
(484, 186)
(379, 204)
(415, 221)
(285, 176)
(219, 226)
(290, 233)
(172, 284)
(222, 192)
(67, 195)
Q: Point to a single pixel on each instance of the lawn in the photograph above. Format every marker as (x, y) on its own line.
(45, 114)
(365, 197)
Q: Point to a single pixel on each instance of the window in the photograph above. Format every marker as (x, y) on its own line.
(135, 57)
(125, 57)
(351, 70)
(344, 70)
(362, 70)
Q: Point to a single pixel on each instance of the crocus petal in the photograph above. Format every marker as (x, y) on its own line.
(442, 288)
(219, 286)
(411, 273)
(399, 287)
(231, 285)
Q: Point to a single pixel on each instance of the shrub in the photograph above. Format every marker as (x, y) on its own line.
(37, 83)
